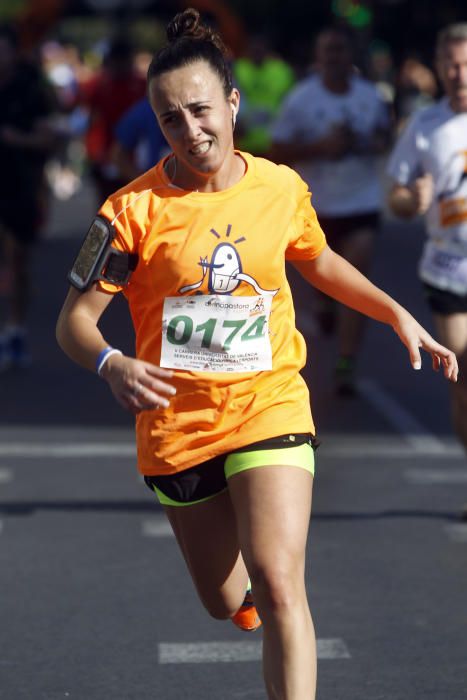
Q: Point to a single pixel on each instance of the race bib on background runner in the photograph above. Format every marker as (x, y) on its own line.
(443, 269)
(216, 333)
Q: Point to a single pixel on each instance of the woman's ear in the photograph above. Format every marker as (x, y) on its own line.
(234, 105)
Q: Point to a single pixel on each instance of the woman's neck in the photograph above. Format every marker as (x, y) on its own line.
(227, 176)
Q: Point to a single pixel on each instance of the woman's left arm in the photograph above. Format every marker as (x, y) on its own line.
(334, 276)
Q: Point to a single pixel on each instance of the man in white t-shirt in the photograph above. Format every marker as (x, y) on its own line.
(331, 129)
(429, 171)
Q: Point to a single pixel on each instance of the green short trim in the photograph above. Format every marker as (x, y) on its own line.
(301, 456)
(166, 501)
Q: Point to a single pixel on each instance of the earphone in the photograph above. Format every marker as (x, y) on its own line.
(234, 115)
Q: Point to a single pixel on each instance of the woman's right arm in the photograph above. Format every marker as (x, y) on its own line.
(77, 332)
(137, 385)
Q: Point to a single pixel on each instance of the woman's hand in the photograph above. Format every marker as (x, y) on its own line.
(138, 385)
(414, 337)
(334, 276)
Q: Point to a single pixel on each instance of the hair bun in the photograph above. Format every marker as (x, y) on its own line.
(191, 40)
(186, 24)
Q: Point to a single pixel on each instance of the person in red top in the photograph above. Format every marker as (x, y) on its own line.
(224, 427)
(107, 96)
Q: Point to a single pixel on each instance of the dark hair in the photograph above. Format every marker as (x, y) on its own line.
(189, 40)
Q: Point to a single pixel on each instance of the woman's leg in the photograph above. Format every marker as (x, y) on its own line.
(207, 536)
(273, 506)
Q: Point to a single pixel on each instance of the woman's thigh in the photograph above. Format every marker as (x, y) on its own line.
(273, 507)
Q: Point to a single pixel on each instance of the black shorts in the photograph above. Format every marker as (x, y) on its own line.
(338, 226)
(443, 302)
(208, 478)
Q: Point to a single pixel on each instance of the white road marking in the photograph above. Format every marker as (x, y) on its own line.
(6, 475)
(332, 649)
(436, 476)
(68, 449)
(418, 437)
(457, 532)
(374, 450)
(208, 652)
(365, 446)
(229, 652)
(157, 527)
(257, 693)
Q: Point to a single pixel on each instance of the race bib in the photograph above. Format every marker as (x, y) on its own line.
(216, 333)
(445, 269)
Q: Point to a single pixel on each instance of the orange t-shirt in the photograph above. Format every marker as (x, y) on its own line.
(231, 246)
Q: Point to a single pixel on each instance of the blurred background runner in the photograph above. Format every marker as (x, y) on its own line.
(429, 171)
(264, 79)
(138, 141)
(331, 129)
(27, 138)
(107, 96)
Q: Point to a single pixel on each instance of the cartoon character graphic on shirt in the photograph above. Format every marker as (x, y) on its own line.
(225, 270)
(452, 190)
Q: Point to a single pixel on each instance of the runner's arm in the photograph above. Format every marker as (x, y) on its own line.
(334, 145)
(137, 385)
(411, 200)
(77, 331)
(336, 277)
(43, 136)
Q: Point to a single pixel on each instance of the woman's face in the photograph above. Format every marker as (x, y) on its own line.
(196, 118)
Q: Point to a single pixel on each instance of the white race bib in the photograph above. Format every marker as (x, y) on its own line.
(444, 269)
(216, 333)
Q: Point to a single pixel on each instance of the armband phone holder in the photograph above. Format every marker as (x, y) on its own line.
(98, 260)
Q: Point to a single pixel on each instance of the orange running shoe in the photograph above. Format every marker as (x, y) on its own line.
(246, 617)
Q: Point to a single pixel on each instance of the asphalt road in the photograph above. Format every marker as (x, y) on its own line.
(94, 599)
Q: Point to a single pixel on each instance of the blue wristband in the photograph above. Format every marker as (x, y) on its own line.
(103, 356)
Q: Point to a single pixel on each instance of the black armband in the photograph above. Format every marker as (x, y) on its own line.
(98, 260)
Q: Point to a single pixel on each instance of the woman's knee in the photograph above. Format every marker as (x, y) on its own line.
(278, 587)
(219, 605)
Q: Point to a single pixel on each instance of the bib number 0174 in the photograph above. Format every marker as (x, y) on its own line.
(180, 330)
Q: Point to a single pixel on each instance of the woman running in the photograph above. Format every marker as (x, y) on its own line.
(224, 430)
